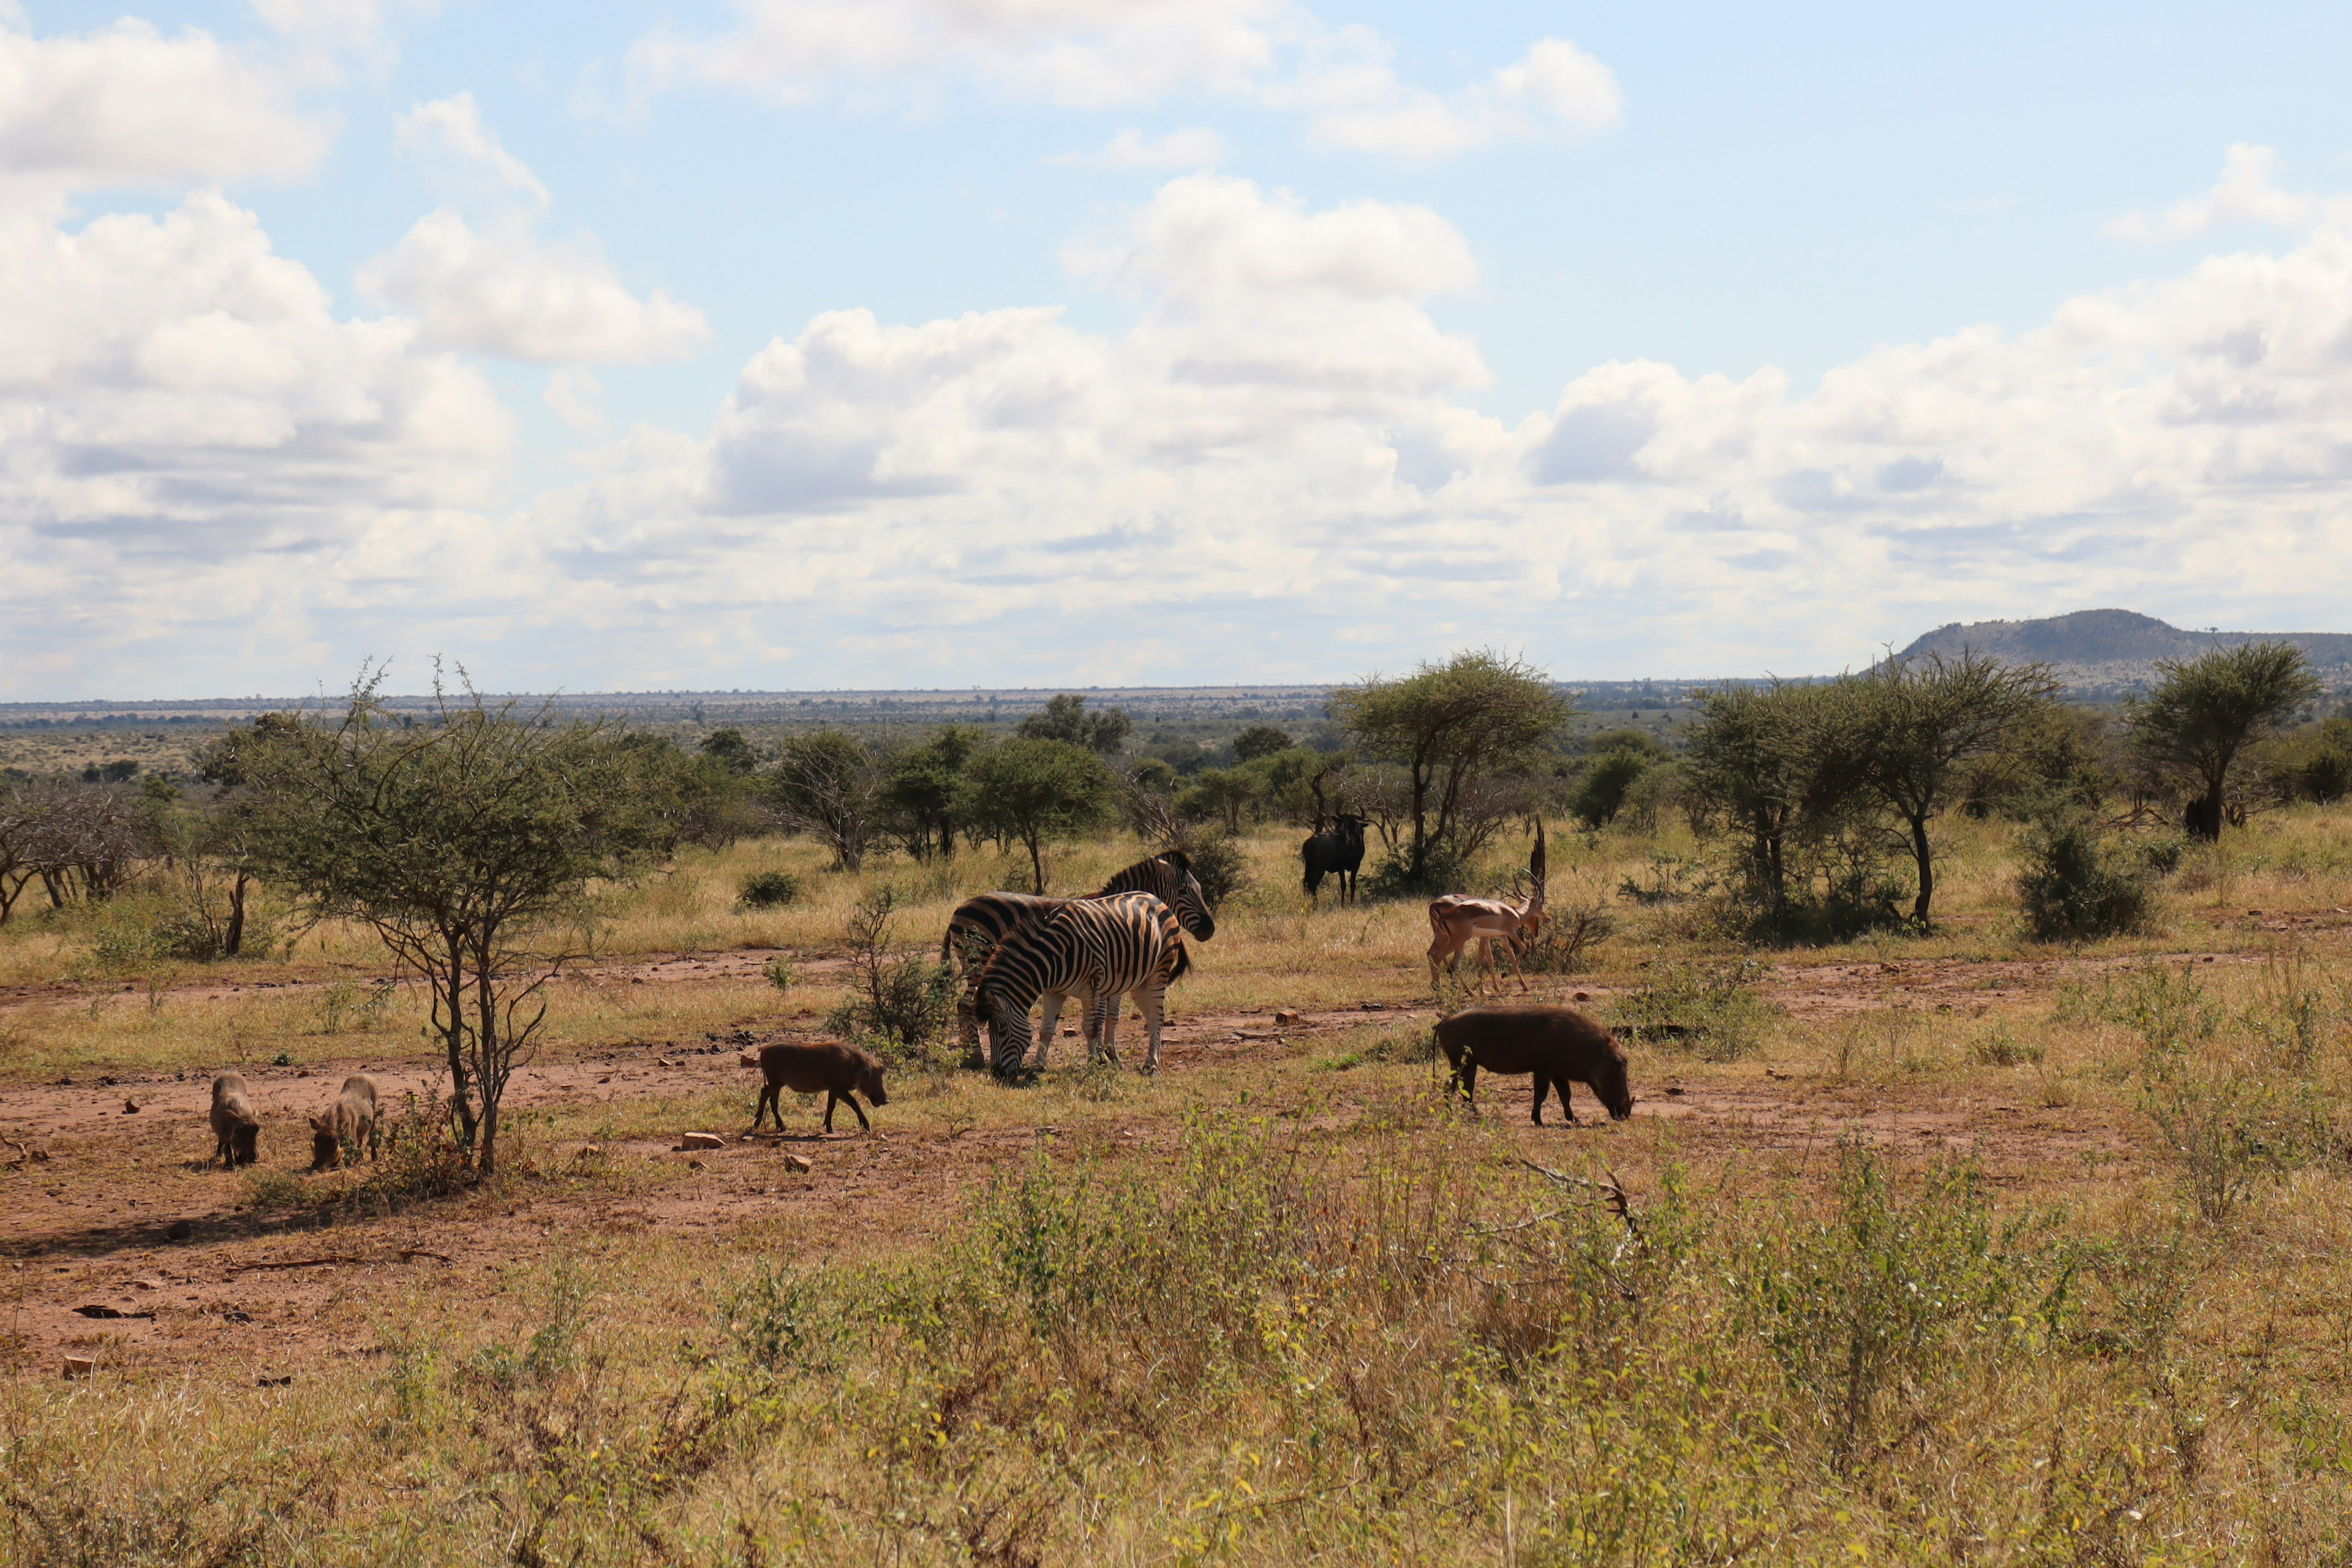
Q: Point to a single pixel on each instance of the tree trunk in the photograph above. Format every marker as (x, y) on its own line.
(234, 941)
(1924, 854)
(2203, 818)
(1036, 863)
(490, 1075)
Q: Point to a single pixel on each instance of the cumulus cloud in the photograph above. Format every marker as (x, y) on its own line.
(1101, 54)
(1272, 473)
(2244, 194)
(1087, 53)
(1197, 147)
(500, 288)
(130, 106)
(1359, 104)
(197, 451)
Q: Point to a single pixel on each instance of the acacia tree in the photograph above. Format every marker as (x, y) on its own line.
(922, 789)
(1037, 791)
(1066, 719)
(1750, 769)
(2207, 711)
(1906, 731)
(469, 845)
(829, 785)
(1446, 725)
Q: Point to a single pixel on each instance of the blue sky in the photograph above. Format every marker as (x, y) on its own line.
(1668, 340)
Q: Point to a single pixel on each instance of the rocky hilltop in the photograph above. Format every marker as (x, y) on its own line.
(2118, 649)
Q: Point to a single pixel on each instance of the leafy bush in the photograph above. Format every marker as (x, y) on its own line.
(768, 890)
(1605, 787)
(1881, 1301)
(1218, 865)
(2003, 1049)
(2079, 883)
(896, 1006)
(1710, 1008)
(2230, 1131)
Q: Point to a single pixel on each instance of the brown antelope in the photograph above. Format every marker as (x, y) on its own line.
(1456, 921)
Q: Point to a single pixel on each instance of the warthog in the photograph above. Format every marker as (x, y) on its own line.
(236, 1129)
(826, 1065)
(351, 1119)
(1559, 1045)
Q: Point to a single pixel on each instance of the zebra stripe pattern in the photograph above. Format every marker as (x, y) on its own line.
(983, 922)
(1097, 950)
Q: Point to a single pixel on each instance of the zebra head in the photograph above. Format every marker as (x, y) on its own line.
(997, 1000)
(1182, 893)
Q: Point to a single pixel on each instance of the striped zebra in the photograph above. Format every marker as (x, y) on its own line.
(981, 922)
(1099, 950)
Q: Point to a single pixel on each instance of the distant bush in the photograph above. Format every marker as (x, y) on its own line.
(2078, 882)
(1606, 787)
(768, 890)
(1218, 865)
(1711, 1009)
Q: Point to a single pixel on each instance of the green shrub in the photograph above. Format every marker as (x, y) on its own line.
(2230, 1131)
(1605, 787)
(1883, 1300)
(1218, 865)
(2003, 1049)
(2079, 883)
(768, 890)
(896, 1006)
(1711, 1009)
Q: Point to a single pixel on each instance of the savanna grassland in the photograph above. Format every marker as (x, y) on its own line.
(1958, 1248)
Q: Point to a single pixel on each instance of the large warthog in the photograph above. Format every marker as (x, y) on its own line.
(347, 1122)
(236, 1130)
(1559, 1045)
(838, 1071)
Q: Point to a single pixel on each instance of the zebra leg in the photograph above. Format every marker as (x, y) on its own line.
(1151, 1001)
(1053, 1021)
(1108, 1021)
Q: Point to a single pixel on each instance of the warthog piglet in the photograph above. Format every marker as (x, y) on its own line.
(347, 1122)
(236, 1130)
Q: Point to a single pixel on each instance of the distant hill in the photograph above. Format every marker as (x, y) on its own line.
(2118, 649)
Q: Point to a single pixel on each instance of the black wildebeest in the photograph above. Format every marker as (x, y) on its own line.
(1336, 850)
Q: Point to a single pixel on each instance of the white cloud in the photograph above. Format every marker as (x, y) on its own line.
(195, 455)
(1088, 54)
(448, 135)
(1271, 474)
(2244, 194)
(1197, 147)
(499, 289)
(1356, 103)
(1100, 54)
(128, 106)
(577, 399)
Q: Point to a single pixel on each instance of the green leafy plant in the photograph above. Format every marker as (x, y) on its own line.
(768, 890)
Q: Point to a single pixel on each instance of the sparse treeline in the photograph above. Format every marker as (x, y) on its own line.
(1820, 804)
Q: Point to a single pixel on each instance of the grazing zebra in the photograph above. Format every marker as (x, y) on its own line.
(982, 922)
(1099, 950)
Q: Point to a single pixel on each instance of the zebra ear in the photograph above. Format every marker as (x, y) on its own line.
(1178, 859)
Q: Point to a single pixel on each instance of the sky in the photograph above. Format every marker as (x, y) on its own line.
(885, 343)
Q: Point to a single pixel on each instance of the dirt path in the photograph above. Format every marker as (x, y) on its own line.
(93, 1266)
